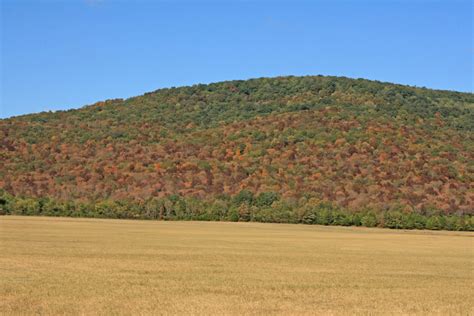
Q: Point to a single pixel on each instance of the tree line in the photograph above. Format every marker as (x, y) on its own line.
(266, 207)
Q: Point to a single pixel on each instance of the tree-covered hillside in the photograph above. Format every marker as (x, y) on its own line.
(325, 150)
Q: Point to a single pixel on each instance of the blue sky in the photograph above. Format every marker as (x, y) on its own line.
(66, 54)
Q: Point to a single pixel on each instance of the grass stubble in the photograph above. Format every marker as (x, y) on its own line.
(90, 266)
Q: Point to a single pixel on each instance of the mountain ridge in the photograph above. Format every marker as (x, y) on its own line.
(242, 80)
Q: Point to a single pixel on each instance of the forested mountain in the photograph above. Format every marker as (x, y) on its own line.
(327, 150)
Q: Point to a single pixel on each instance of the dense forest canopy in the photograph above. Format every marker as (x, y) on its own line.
(284, 149)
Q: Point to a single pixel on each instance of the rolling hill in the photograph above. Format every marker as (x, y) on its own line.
(315, 149)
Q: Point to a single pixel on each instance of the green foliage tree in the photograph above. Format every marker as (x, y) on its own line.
(266, 199)
(369, 220)
(433, 223)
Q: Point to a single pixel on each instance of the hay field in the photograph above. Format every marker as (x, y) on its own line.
(88, 266)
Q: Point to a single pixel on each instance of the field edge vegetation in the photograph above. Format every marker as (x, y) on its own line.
(267, 207)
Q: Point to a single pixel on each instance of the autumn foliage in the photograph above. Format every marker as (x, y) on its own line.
(359, 146)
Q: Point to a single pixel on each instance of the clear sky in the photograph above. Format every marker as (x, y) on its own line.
(66, 54)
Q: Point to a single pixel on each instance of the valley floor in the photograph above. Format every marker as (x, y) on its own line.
(89, 266)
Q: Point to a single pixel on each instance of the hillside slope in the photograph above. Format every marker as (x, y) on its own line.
(270, 149)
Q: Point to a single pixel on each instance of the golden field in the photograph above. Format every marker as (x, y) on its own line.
(68, 266)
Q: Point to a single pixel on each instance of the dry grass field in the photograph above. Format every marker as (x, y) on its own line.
(87, 266)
